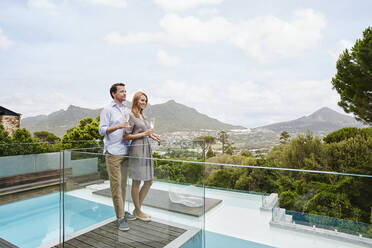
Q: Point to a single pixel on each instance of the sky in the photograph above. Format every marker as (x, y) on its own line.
(244, 62)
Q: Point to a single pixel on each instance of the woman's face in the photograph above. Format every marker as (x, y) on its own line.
(142, 102)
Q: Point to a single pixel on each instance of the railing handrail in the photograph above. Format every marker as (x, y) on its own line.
(243, 166)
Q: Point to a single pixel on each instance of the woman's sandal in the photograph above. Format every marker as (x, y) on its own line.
(147, 219)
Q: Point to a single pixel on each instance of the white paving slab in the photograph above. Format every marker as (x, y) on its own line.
(238, 215)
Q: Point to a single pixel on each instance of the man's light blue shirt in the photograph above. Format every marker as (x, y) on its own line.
(112, 115)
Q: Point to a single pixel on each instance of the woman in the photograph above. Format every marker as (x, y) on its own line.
(141, 166)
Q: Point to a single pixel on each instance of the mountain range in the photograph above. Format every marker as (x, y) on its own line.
(174, 117)
(170, 117)
(321, 122)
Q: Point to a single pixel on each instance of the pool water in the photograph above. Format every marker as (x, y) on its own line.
(36, 221)
(217, 240)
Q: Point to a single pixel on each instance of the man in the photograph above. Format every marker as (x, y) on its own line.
(111, 126)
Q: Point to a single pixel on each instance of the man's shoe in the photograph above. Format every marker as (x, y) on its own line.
(129, 216)
(122, 224)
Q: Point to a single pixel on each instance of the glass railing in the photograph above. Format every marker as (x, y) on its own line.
(171, 192)
(192, 201)
(326, 205)
(30, 195)
(330, 223)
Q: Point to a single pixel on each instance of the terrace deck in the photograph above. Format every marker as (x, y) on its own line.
(6, 244)
(141, 235)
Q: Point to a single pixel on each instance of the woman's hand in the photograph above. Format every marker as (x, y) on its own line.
(148, 132)
(138, 135)
(156, 137)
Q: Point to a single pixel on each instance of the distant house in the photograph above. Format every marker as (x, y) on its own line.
(10, 120)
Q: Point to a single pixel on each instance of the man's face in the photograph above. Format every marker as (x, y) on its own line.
(120, 94)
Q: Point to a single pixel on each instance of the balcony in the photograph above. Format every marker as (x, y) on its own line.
(62, 199)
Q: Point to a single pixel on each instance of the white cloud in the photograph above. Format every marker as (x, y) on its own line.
(52, 7)
(32, 104)
(179, 5)
(117, 38)
(191, 29)
(342, 45)
(165, 59)
(268, 37)
(305, 96)
(262, 38)
(346, 44)
(5, 43)
(112, 3)
(249, 103)
(178, 31)
(203, 12)
(42, 4)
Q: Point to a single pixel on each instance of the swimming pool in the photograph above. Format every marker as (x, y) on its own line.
(36, 221)
(217, 240)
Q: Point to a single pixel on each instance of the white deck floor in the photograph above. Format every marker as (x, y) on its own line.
(238, 216)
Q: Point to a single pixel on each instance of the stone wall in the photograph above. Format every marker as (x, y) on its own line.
(11, 123)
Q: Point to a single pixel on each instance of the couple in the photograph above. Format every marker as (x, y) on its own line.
(121, 157)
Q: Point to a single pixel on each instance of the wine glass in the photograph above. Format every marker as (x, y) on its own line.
(126, 116)
(152, 123)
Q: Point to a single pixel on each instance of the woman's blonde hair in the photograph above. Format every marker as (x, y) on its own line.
(135, 110)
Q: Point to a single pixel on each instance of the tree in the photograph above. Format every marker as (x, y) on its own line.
(23, 143)
(210, 152)
(222, 178)
(222, 137)
(330, 204)
(52, 143)
(83, 135)
(5, 141)
(353, 80)
(246, 154)
(352, 155)
(284, 137)
(347, 133)
(229, 148)
(4, 135)
(205, 142)
(302, 152)
(45, 136)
